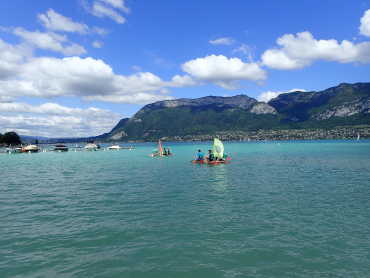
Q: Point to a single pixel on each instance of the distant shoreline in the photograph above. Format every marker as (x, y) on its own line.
(338, 133)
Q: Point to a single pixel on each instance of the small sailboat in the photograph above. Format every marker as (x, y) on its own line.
(358, 136)
(161, 151)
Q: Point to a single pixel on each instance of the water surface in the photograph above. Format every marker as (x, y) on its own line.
(288, 209)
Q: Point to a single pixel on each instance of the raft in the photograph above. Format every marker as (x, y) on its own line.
(215, 162)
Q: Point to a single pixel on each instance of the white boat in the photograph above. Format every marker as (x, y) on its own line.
(115, 147)
(358, 136)
(60, 148)
(91, 147)
(30, 149)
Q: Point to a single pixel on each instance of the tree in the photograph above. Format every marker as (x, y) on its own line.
(10, 138)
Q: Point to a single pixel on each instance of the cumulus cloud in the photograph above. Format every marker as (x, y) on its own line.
(365, 24)
(57, 22)
(140, 98)
(301, 50)
(86, 78)
(10, 59)
(222, 41)
(50, 41)
(223, 71)
(183, 81)
(54, 120)
(267, 96)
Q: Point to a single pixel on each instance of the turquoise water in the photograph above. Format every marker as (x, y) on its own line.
(289, 209)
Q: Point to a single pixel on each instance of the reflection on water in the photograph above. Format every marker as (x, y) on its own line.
(219, 178)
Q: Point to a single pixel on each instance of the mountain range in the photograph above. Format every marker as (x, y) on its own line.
(343, 105)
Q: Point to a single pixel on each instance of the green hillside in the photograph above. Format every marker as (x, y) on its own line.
(344, 105)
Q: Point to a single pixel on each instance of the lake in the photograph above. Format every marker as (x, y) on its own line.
(279, 209)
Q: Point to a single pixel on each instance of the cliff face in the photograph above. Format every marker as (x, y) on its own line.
(346, 104)
(344, 100)
(240, 101)
(345, 110)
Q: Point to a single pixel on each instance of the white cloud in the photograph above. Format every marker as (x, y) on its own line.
(222, 41)
(100, 10)
(54, 120)
(57, 22)
(301, 50)
(183, 81)
(267, 96)
(5, 99)
(223, 71)
(365, 24)
(118, 4)
(97, 44)
(139, 98)
(10, 59)
(86, 78)
(50, 41)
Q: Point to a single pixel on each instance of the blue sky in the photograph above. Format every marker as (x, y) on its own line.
(74, 68)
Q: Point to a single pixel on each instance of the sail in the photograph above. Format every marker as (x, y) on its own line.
(218, 148)
(160, 148)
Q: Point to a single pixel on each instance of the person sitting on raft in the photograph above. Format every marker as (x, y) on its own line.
(200, 155)
(211, 156)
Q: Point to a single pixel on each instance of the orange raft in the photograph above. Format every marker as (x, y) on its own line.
(215, 162)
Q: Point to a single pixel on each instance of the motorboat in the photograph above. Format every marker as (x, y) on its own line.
(115, 147)
(60, 148)
(91, 147)
(30, 149)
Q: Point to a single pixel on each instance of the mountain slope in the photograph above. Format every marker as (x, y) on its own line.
(346, 104)
(196, 116)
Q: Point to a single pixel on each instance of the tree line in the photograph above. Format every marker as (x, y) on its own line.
(10, 138)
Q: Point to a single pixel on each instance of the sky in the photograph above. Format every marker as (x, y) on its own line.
(74, 68)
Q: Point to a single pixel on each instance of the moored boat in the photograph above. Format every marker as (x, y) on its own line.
(91, 147)
(115, 147)
(30, 149)
(60, 148)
